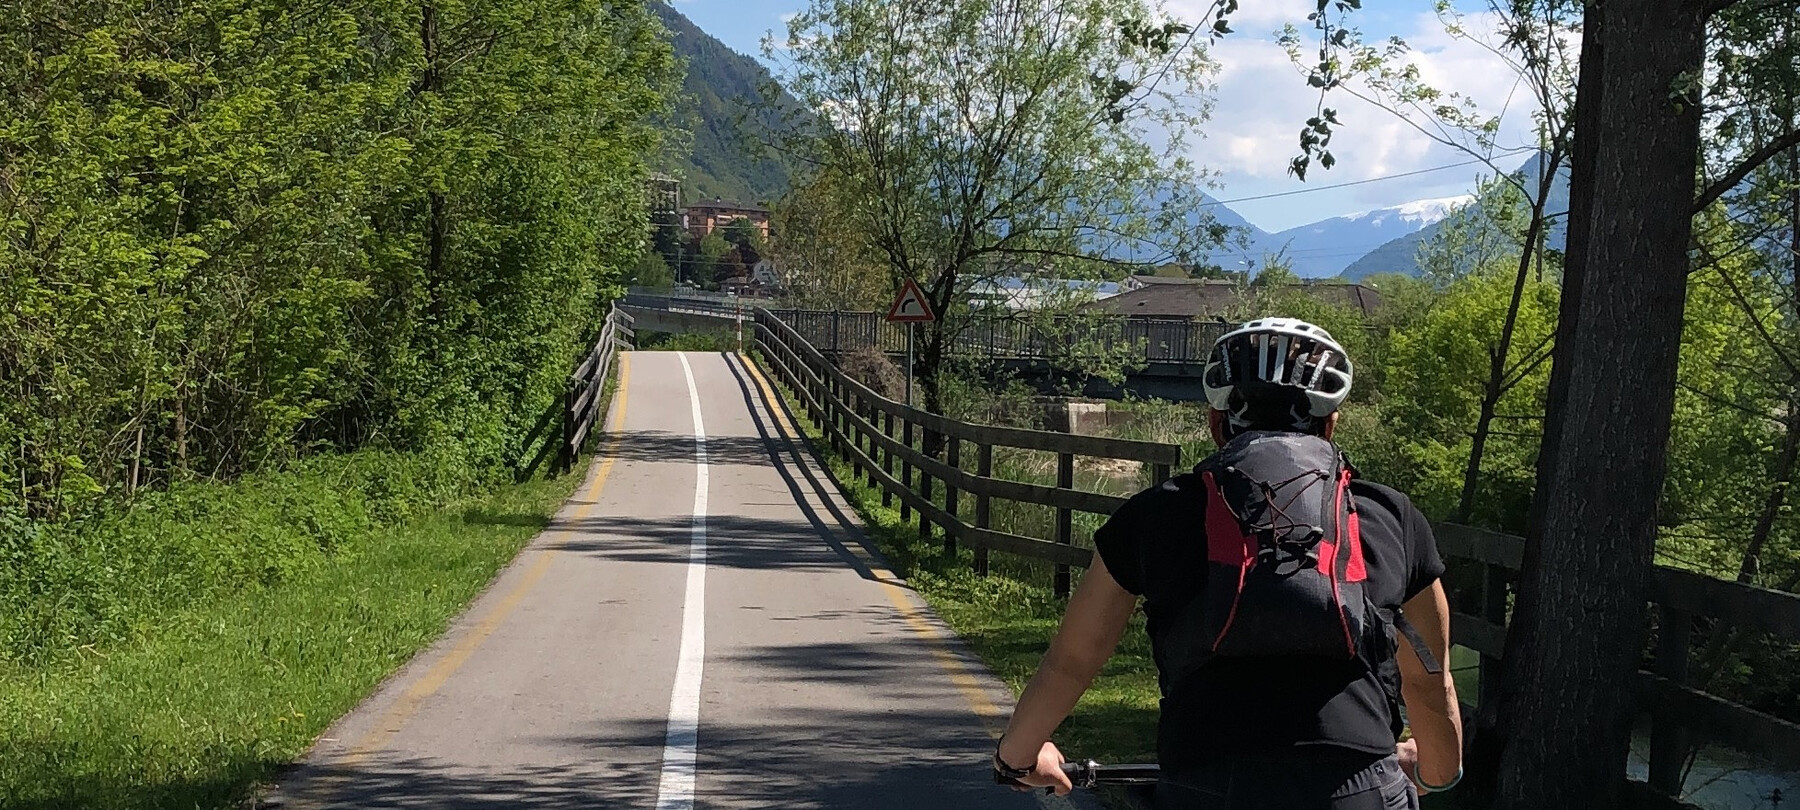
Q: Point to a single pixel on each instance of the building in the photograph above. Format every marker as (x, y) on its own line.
(701, 219)
(1210, 299)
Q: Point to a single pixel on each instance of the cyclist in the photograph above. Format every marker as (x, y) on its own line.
(1292, 608)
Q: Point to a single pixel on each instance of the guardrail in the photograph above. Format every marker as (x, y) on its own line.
(876, 435)
(582, 399)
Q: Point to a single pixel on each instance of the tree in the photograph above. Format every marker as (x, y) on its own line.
(748, 239)
(1578, 628)
(984, 135)
(712, 262)
(232, 233)
(1275, 274)
(825, 258)
(653, 272)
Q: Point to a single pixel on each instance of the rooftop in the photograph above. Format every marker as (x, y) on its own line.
(717, 204)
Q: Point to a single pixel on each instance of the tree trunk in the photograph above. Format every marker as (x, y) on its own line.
(1493, 728)
(1579, 636)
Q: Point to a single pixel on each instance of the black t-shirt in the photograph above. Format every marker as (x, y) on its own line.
(1154, 547)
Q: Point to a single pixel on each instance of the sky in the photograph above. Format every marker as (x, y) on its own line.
(1260, 102)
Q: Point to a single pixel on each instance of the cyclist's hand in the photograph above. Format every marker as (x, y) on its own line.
(1048, 772)
(1409, 759)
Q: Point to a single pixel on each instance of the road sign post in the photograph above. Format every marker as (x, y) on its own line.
(910, 307)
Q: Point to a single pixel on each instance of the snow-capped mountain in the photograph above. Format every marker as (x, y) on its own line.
(1323, 249)
(1401, 255)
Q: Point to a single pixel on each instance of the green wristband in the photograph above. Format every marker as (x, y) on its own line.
(1430, 788)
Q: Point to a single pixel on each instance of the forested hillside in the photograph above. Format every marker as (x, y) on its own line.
(724, 107)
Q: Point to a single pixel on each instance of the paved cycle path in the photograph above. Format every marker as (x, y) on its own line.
(701, 627)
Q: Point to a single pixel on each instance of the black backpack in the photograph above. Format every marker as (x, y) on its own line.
(1286, 574)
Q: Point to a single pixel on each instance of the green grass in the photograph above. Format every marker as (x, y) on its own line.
(689, 342)
(194, 708)
(1009, 616)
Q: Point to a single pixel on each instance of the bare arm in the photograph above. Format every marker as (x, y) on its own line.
(1091, 627)
(1431, 704)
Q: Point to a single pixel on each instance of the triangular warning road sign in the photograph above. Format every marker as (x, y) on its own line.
(910, 305)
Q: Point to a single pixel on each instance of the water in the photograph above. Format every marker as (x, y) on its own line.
(1725, 779)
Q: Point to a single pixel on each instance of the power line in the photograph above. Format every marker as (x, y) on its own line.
(1370, 180)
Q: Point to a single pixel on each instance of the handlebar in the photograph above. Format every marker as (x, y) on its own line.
(1090, 774)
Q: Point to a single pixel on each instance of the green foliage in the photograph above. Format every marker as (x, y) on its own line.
(653, 271)
(1436, 372)
(233, 234)
(206, 697)
(106, 581)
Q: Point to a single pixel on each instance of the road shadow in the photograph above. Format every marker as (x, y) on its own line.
(396, 783)
(732, 541)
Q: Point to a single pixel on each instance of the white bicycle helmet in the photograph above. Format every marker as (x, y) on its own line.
(1277, 373)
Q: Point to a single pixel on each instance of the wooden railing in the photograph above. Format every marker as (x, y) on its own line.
(907, 453)
(1680, 714)
(582, 399)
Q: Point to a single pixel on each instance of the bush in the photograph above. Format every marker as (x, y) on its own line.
(871, 367)
(63, 586)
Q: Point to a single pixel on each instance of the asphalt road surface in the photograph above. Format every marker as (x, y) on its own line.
(703, 626)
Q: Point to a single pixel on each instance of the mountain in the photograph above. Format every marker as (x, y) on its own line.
(1401, 254)
(731, 123)
(1323, 249)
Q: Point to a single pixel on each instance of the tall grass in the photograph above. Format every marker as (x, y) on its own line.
(173, 656)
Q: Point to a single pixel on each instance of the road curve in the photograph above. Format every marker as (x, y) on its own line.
(702, 626)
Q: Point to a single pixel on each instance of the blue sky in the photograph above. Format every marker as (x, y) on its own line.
(1260, 103)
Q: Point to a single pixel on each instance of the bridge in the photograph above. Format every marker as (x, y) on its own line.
(707, 622)
(1168, 356)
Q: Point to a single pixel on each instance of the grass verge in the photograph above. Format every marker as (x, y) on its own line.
(1008, 618)
(214, 697)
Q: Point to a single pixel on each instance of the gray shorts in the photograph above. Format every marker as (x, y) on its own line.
(1300, 782)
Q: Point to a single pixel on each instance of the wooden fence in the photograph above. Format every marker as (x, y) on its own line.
(582, 400)
(908, 453)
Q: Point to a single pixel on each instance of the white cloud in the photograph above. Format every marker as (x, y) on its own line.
(1262, 101)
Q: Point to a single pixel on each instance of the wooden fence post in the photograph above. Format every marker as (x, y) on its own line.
(906, 476)
(926, 440)
(952, 456)
(887, 457)
(1065, 519)
(984, 467)
(1493, 608)
(1668, 738)
(563, 462)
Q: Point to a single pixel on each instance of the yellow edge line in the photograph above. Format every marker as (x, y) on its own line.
(965, 682)
(398, 715)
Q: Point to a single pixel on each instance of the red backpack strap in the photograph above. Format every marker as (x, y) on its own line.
(1227, 544)
(1357, 570)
